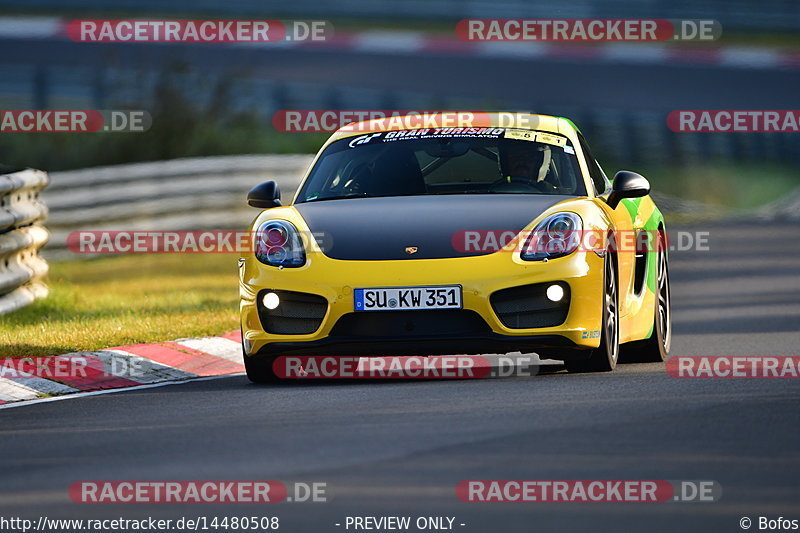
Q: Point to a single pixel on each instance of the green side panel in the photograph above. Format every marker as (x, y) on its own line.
(651, 225)
(632, 205)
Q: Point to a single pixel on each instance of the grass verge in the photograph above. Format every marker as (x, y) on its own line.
(732, 186)
(126, 300)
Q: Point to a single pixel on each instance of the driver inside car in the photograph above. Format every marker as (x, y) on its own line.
(525, 163)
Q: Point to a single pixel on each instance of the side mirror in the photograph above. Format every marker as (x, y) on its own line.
(264, 195)
(627, 185)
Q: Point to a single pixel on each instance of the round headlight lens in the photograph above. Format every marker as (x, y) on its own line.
(558, 227)
(279, 244)
(555, 236)
(275, 236)
(276, 255)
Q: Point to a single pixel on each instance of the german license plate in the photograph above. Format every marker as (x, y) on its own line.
(408, 298)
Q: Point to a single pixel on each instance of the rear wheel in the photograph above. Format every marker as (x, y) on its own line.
(604, 358)
(655, 348)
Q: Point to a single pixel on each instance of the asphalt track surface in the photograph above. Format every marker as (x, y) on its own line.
(400, 448)
(541, 83)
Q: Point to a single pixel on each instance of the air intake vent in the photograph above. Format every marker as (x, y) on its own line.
(528, 306)
(298, 313)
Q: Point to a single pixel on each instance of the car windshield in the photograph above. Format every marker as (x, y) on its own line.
(445, 161)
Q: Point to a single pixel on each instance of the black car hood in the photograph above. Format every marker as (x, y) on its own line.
(374, 229)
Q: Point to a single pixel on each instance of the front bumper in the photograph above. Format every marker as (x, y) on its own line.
(479, 277)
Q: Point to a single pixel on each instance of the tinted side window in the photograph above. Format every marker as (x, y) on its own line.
(596, 173)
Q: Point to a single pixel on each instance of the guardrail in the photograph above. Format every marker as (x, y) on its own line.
(22, 235)
(176, 195)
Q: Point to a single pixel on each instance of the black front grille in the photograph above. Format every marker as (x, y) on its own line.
(399, 324)
(298, 313)
(527, 306)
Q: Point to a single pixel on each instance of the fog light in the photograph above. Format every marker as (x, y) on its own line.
(271, 300)
(555, 293)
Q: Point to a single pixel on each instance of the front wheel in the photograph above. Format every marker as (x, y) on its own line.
(604, 357)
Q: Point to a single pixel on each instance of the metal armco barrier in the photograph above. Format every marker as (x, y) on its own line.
(205, 193)
(22, 235)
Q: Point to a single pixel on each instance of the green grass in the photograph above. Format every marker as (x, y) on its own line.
(116, 301)
(744, 186)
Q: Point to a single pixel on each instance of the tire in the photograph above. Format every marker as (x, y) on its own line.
(604, 357)
(655, 348)
(260, 370)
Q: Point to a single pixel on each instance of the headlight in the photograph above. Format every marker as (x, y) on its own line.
(555, 236)
(278, 243)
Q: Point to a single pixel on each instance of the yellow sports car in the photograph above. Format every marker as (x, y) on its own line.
(492, 236)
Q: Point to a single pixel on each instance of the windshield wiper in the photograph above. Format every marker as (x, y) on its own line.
(338, 197)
